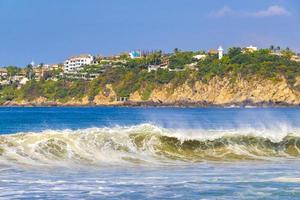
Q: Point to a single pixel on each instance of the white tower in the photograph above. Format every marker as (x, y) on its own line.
(32, 63)
(221, 51)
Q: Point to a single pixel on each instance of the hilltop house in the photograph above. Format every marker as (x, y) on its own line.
(23, 81)
(135, 54)
(54, 66)
(249, 49)
(41, 72)
(156, 67)
(213, 52)
(219, 52)
(295, 58)
(75, 63)
(19, 78)
(200, 56)
(110, 61)
(3, 72)
(163, 65)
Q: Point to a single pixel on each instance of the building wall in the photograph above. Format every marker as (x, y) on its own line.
(75, 64)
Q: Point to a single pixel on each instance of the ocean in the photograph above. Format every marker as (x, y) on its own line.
(149, 153)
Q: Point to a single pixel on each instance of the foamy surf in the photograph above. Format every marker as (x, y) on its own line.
(146, 144)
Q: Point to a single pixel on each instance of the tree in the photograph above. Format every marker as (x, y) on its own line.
(180, 59)
(234, 51)
(154, 58)
(29, 71)
(287, 53)
(278, 48)
(12, 71)
(8, 93)
(176, 50)
(124, 56)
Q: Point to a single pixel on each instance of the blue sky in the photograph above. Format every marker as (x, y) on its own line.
(49, 31)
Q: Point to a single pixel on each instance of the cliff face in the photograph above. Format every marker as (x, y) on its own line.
(218, 91)
(221, 91)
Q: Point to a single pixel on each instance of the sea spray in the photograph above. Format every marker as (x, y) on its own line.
(147, 144)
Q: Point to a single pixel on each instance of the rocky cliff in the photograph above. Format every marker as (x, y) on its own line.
(223, 91)
(218, 91)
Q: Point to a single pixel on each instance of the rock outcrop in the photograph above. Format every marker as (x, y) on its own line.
(222, 91)
(218, 91)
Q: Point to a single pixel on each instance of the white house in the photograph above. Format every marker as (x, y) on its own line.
(153, 68)
(24, 80)
(156, 67)
(192, 66)
(295, 58)
(54, 66)
(75, 63)
(250, 49)
(3, 72)
(4, 82)
(200, 57)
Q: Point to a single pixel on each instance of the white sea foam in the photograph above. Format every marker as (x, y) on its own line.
(146, 143)
(287, 179)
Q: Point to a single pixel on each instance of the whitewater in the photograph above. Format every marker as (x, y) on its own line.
(149, 153)
(146, 144)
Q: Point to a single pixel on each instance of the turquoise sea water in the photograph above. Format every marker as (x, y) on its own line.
(149, 153)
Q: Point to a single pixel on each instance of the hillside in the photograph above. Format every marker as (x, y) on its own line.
(251, 78)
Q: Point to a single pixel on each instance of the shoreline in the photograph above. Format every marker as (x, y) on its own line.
(151, 104)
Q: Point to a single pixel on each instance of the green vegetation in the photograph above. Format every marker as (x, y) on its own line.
(11, 70)
(179, 59)
(8, 93)
(134, 76)
(246, 65)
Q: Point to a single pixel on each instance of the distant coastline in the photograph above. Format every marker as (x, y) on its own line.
(179, 104)
(238, 78)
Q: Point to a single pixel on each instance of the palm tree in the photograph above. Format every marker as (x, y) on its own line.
(278, 48)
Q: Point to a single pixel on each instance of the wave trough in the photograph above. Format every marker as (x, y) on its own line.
(145, 144)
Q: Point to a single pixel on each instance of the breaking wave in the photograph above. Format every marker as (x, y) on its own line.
(146, 144)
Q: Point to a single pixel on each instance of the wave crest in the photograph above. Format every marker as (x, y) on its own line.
(145, 144)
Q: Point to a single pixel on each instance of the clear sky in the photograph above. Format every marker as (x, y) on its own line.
(49, 31)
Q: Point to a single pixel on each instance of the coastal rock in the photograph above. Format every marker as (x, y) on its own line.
(136, 96)
(218, 91)
(106, 97)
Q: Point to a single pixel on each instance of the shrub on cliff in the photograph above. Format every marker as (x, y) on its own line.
(134, 76)
(8, 93)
